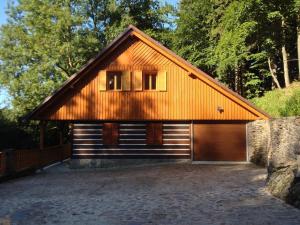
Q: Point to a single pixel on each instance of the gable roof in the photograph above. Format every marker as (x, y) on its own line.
(133, 31)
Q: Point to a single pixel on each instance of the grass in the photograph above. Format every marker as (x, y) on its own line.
(281, 103)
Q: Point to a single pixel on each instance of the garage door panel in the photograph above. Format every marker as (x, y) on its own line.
(220, 142)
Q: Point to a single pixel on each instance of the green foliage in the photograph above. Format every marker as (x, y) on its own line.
(278, 103)
(233, 39)
(191, 39)
(13, 135)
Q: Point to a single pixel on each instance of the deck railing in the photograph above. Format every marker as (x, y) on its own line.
(18, 160)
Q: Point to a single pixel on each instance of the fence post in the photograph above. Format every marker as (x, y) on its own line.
(2, 164)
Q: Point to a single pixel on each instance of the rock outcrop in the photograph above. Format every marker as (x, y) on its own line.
(276, 145)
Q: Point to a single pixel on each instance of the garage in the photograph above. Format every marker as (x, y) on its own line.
(219, 142)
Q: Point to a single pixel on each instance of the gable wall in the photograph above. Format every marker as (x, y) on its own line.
(185, 98)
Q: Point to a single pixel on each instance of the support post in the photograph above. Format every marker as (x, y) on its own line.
(42, 134)
(42, 143)
(60, 127)
(61, 138)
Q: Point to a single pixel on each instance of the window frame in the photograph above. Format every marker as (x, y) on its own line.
(150, 73)
(116, 73)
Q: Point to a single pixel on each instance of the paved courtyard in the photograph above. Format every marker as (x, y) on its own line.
(166, 194)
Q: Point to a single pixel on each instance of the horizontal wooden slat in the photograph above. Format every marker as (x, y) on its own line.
(132, 142)
(79, 125)
(137, 151)
(88, 136)
(94, 131)
(135, 141)
(173, 141)
(132, 125)
(129, 147)
(176, 132)
(80, 141)
(166, 156)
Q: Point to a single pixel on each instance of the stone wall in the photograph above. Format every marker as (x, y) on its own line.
(276, 145)
(258, 138)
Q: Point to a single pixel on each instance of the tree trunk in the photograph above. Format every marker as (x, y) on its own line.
(236, 79)
(273, 73)
(285, 66)
(298, 48)
(284, 56)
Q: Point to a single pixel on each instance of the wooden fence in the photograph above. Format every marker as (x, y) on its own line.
(32, 159)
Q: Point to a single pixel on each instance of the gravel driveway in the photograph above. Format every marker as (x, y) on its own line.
(168, 194)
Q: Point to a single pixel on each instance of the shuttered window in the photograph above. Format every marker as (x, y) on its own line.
(113, 80)
(154, 134)
(155, 80)
(149, 80)
(110, 133)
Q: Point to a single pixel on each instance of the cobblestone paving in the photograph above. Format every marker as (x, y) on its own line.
(169, 194)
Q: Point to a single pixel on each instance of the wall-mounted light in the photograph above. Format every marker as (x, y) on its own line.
(191, 75)
(220, 109)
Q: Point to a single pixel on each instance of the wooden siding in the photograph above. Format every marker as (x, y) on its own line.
(185, 98)
(88, 142)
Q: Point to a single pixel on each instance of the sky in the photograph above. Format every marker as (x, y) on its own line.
(3, 94)
(4, 97)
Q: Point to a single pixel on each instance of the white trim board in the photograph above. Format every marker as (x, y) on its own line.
(220, 162)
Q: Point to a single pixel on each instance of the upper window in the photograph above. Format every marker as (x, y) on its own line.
(113, 81)
(149, 80)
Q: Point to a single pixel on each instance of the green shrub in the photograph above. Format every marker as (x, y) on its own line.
(292, 106)
(279, 103)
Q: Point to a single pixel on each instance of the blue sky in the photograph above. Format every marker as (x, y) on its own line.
(3, 4)
(3, 94)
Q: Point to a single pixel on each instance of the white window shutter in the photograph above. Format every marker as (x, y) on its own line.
(102, 77)
(138, 80)
(161, 82)
(125, 81)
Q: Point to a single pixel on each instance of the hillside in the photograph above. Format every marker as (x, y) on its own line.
(280, 103)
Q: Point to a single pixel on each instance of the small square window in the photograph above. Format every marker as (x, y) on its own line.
(149, 79)
(114, 80)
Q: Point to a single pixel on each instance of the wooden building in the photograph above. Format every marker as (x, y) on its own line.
(139, 100)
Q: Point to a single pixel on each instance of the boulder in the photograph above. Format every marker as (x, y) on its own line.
(280, 180)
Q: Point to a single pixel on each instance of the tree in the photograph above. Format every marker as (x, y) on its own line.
(242, 43)
(297, 10)
(150, 16)
(191, 39)
(42, 44)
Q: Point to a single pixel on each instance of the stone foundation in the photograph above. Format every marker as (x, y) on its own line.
(276, 145)
(117, 163)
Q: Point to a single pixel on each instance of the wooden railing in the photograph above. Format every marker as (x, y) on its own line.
(32, 159)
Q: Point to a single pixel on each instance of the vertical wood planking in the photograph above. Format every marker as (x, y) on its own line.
(185, 98)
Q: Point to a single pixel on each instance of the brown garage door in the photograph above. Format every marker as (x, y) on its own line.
(220, 142)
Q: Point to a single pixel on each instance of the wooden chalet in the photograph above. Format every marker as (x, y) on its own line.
(139, 100)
